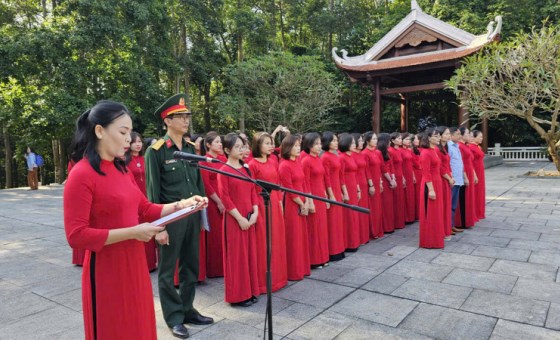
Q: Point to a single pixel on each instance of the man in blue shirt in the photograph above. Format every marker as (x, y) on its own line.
(457, 170)
(32, 169)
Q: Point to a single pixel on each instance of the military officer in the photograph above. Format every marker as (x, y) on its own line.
(169, 180)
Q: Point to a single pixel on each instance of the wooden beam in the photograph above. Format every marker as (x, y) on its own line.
(415, 88)
(392, 99)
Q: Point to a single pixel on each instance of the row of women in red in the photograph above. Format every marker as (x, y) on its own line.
(437, 183)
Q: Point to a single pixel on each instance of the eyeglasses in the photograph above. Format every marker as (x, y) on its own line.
(183, 116)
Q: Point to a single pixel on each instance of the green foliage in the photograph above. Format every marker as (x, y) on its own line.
(59, 57)
(520, 78)
(284, 89)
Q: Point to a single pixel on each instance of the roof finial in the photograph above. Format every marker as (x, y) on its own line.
(414, 6)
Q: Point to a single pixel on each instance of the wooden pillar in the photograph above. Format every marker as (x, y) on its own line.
(404, 113)
(485, 134)
(376, 115)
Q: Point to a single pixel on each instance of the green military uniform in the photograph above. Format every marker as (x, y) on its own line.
(169, 180)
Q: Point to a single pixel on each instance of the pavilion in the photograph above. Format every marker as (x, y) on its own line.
(418, 54)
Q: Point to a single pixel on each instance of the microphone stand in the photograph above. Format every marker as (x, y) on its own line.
(267, 188)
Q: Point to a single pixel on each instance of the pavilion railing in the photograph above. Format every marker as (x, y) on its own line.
(521, 153)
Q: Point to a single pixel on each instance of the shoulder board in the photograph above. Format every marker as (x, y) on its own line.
(191, 143)
(158, 144)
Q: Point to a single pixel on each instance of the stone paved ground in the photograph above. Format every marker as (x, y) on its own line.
(499, 280)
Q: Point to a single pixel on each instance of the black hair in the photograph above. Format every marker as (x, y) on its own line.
(209, 139)
(475, 133)
(383, 141)
(414, 147)
(394, 136)
(453, 129)
(441, 130)
(425, 142)
(128, 154)
(356, 137)
(85, 141)
(308, 141)
(463, 130)
(345, 141)
(367, 138)
(229, 141)
(326, 140)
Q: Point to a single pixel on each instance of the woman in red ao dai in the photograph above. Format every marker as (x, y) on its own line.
(314, 173)
(296, 209)
(264, 166)
(374, 161)
(331, 162)
(399, 204)
(431, 207)
(240, 239)
(361, 178)
(350, 191)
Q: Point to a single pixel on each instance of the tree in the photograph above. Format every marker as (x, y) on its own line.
(280, 89)
(520, 78)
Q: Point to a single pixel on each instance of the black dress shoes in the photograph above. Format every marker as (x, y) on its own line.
(246, 303)
(199, 320)
(254, 299)
(180, 331)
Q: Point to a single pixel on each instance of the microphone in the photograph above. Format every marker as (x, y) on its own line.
(194, 158)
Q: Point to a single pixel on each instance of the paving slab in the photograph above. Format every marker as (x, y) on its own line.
(545, 257)
(508, 307)
(436, 293)
(486, 240)
(507, 330)
(44, 324)
(292, 317)
(538, 290)
(385, 283)
(446, 323)
(364, 330)
(521, 255)
(252, 316)
(228, 329)
(464, 261)
(357, 277)
(327, 325)
(314, 293)
(553, 318)
(517, 234)
(369, 261)
(534, 245)
(481, 280)
(527, 270)
(375, 307)
(334, 271)
(459, 248)
(424, 255)
(420, 270)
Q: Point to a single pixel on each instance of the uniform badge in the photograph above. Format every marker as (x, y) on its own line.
(169, 143)
(182, 101)
(169, 161)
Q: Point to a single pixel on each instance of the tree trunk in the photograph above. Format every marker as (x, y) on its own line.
(282, 26)
(553, 152)
(57, 160)
(9, 156)
(207, 125)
